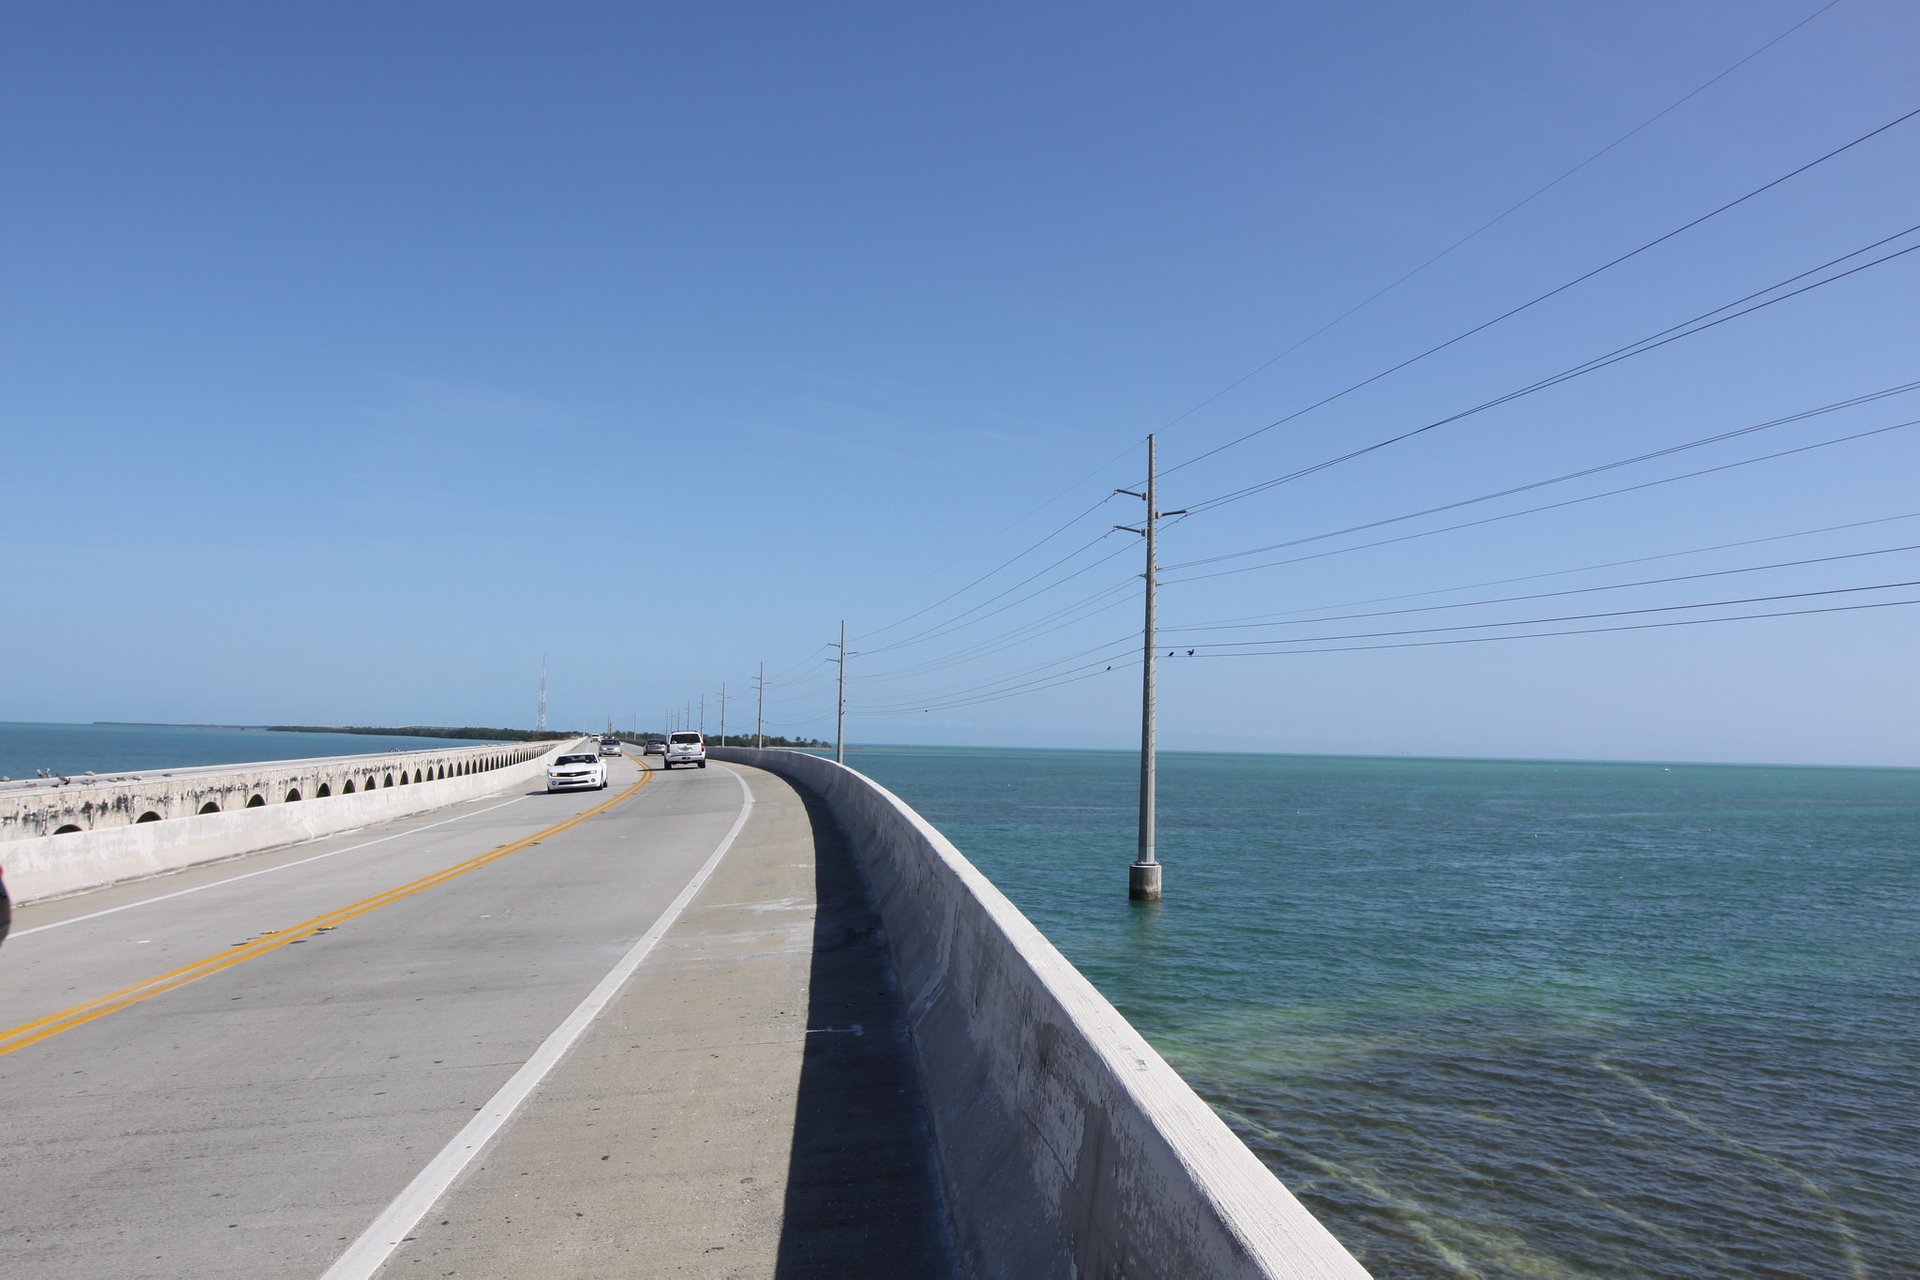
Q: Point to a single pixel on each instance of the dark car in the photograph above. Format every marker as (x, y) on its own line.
(6, 908)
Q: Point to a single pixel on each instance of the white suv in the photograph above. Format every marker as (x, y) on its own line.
(685, 747)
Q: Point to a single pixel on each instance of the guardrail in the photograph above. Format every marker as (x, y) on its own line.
(59, 839)
(1067, 1145)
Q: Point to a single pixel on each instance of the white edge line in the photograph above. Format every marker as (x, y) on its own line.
(376, 1244)
(264, 871)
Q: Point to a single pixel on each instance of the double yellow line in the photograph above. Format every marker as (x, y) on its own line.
(34, 1032)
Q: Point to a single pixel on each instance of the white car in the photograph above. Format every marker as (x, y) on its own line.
(685, 747)
(572, 773)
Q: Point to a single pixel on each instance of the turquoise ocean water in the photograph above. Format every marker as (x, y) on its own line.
(117, 748)
(1499, 1019)
(1507, 1019)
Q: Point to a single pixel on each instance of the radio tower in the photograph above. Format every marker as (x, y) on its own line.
(542, 726)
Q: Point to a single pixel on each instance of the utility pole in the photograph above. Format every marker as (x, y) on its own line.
(760, 716)
(703, 715)
(541, 726)
(723, 713)
(1143, 877)
(840, 720)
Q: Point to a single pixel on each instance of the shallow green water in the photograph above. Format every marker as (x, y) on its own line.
(1507, 1018)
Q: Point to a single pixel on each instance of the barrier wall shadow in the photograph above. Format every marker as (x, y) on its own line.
(863, 1190)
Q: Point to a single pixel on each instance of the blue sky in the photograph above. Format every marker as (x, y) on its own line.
(359, 356)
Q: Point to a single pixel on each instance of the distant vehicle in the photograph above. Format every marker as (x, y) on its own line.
(656, 745)
(686, 747)
(575, 772)
(609, 746)
(6, 908)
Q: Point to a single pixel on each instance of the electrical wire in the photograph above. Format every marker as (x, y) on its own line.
(1556, 573)
(1580, 631)
(1535, 301)
(1489, 225)
(1119, 665)
(966, 619)
(1255, 646)
(1109, 651)
(868, 636)
(1086, 607)
(1675, 333)
(1554, 506)
(1803, 415)
(1208, 628)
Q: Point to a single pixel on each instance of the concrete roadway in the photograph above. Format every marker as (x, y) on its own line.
(645, 1031)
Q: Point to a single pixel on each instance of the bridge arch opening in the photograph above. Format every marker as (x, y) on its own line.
(347, 790)
(148, 816)
(256, 801)
(210, 806)
(293, 796)
(67, 830)
(324, 791)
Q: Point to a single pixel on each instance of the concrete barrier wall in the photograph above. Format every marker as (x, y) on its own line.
(88, 802)
(1068, 1146)
(53, 865)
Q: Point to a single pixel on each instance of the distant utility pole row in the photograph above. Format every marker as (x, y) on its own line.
(1144, 874)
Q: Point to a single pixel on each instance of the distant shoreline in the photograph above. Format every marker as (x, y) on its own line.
(372, 731)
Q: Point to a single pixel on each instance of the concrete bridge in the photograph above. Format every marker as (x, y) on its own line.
(758, 1019)
(68, 805)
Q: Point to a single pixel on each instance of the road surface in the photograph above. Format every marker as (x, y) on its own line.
(594, 1033)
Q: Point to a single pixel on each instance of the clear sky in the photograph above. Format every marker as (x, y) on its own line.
(354, 357)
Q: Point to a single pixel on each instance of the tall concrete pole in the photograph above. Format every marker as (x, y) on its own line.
(760, 715)
(1143, 877)
(840, 720)
(723, 713)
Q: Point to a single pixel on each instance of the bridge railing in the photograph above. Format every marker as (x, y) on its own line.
(1067, 1145)
(66, 837)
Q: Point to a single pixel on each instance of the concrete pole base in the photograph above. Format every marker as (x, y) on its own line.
(1143, 881)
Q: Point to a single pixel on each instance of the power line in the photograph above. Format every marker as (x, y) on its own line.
(1088, 606)
(1119, 664)
(1552, 506)
(1489, 225)
(1674, 333)
(1588, 568)
(965, 618)
(1548, 595)
(1108, 651)
(1580, 631)
(1255, 646)
(1533, 302)
(1803, 415)
(1011, 525)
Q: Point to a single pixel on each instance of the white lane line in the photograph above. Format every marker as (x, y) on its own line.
(377, 1243)
(264, 871)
